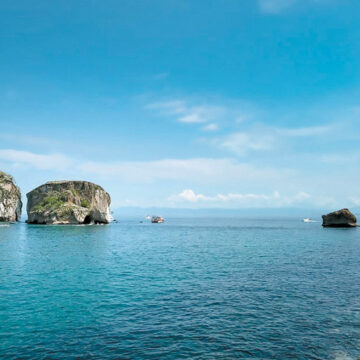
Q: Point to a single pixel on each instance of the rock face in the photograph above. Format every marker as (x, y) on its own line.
(10, 199)
(68, 202)
(340, 218)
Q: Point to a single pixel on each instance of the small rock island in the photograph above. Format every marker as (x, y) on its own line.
(68, 202)
(340, 218)
(10, 199)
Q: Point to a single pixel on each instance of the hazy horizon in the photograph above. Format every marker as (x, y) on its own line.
(139, 213)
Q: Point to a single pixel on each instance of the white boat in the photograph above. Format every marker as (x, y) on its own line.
(157, 219)
(147, 217)
(308, 220)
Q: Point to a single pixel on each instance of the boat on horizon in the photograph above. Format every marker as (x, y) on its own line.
(157, 219)
(308, 220)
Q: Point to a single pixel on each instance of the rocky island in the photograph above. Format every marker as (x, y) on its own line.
(340, 218)
(68, 202)
(10, 199)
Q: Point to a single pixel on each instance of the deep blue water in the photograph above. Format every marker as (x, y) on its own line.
(186, 289)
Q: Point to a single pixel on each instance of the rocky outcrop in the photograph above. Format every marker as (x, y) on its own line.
(68, 202)
(10, 199)
(340, 218)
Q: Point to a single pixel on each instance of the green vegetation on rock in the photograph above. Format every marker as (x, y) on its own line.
(85, 203)
(74, 192)
(53, 201)
(66, 211)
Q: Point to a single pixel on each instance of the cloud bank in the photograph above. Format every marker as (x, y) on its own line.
(185, 113)
(203, 173)
(37, 161)
(247, 200)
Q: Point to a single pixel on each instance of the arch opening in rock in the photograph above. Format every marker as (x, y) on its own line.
(87, 220)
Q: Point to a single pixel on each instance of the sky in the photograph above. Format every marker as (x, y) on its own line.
(185, 104)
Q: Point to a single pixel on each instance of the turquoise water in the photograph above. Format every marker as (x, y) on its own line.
(186, 289)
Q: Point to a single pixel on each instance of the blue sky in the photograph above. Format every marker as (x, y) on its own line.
(177, 103)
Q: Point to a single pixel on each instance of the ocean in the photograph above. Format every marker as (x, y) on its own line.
(191, 288)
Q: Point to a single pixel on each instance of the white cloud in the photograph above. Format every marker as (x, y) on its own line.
(250, 199)
(266, 138)
(211, 127)
(28, 139)
(185, 113)
(307, 131)
(191, 196)
(199, 170)
(225, 173)
(37, 161)
(241, 143)
(188, 195)
(192, 118)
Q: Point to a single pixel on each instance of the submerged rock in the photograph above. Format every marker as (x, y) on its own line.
(340, 218)
(68, 202)
(10, 199)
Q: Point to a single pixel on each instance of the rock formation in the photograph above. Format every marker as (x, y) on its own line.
(10, 199)
(68, 202)
(340, 218)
